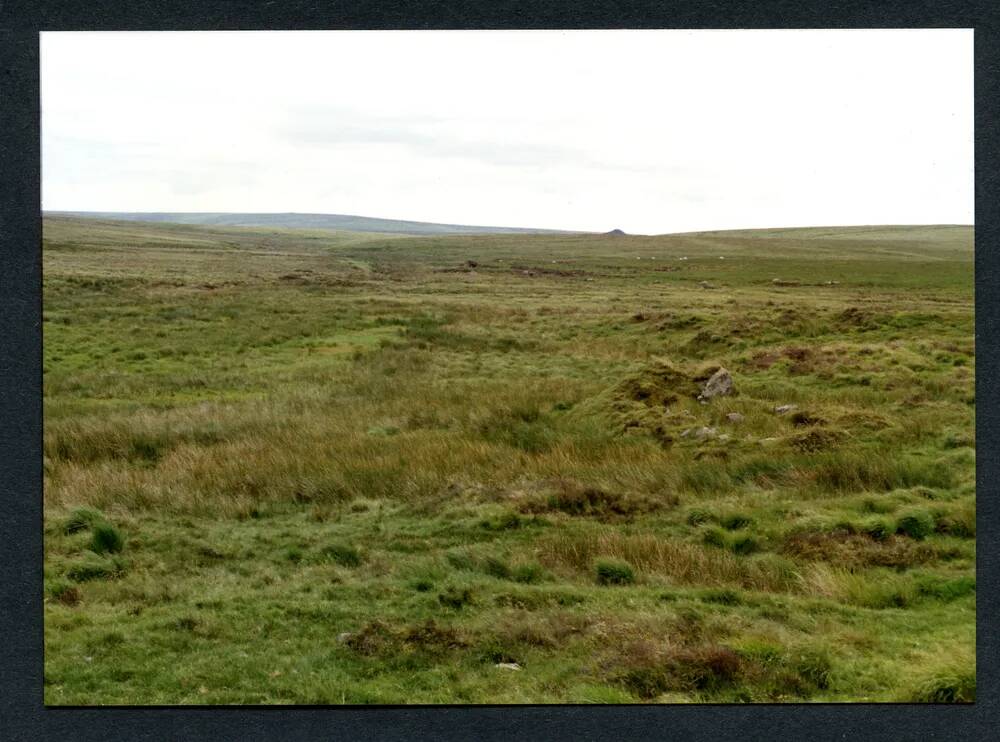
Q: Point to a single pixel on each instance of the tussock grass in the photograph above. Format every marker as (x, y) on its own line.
(365, 462)
(946, 677)
(684, 563)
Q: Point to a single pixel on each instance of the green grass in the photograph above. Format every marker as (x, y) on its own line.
(323, 467)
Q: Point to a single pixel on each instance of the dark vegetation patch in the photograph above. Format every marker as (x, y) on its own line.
(651, 670)
(577, 499)
(614, 572)
(658, 385)
(93, 567)
(950, 683)
(65, 593)
(456, 598)
(844, 548)
(105, 538)
(917, 524)
(817, 439)
(945, 589)
(534, 600)
(379, 638)
(737, 543)
(533, 271)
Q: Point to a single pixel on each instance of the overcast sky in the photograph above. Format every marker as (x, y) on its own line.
(647, 131)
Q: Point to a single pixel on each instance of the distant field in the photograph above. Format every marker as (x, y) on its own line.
(328, 467)
(341, 222)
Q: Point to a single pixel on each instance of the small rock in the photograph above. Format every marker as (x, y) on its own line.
(706, 285)
(343, 636)
(784, 408)
(768, 441)
(724, 437)
(508, 666)
(734, 417)
(719, 384)
(703, 433)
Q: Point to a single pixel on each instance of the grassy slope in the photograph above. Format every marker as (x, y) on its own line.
(349, 468)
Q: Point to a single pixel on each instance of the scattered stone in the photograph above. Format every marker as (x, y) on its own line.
(785, 408)
(781, 282)
(768, 441)
(508, 666)
(734, 417)
(706, 285)
(719, 384)
(703, 433)
(724, 437)
(343, 637)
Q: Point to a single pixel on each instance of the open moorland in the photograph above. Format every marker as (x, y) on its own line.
(324, 467)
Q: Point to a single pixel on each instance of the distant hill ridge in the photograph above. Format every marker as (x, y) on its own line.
(346, 222)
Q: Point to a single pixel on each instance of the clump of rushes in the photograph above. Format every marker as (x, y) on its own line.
(455, 598)
(106, 538)
(877, 530)
(715, 537)
(917, 524)
(614, 572)
(342, 554)
(81, 519)
(65, 593)
(744, 545)
(527, 573)
(697, 516)
(737, 544)
(93, 567)
(496, 568)
(735, 521)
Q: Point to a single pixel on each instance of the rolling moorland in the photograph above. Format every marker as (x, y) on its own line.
(337, 222)
(325, 467)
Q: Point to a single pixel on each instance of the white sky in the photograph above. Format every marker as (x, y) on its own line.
(647, 131)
